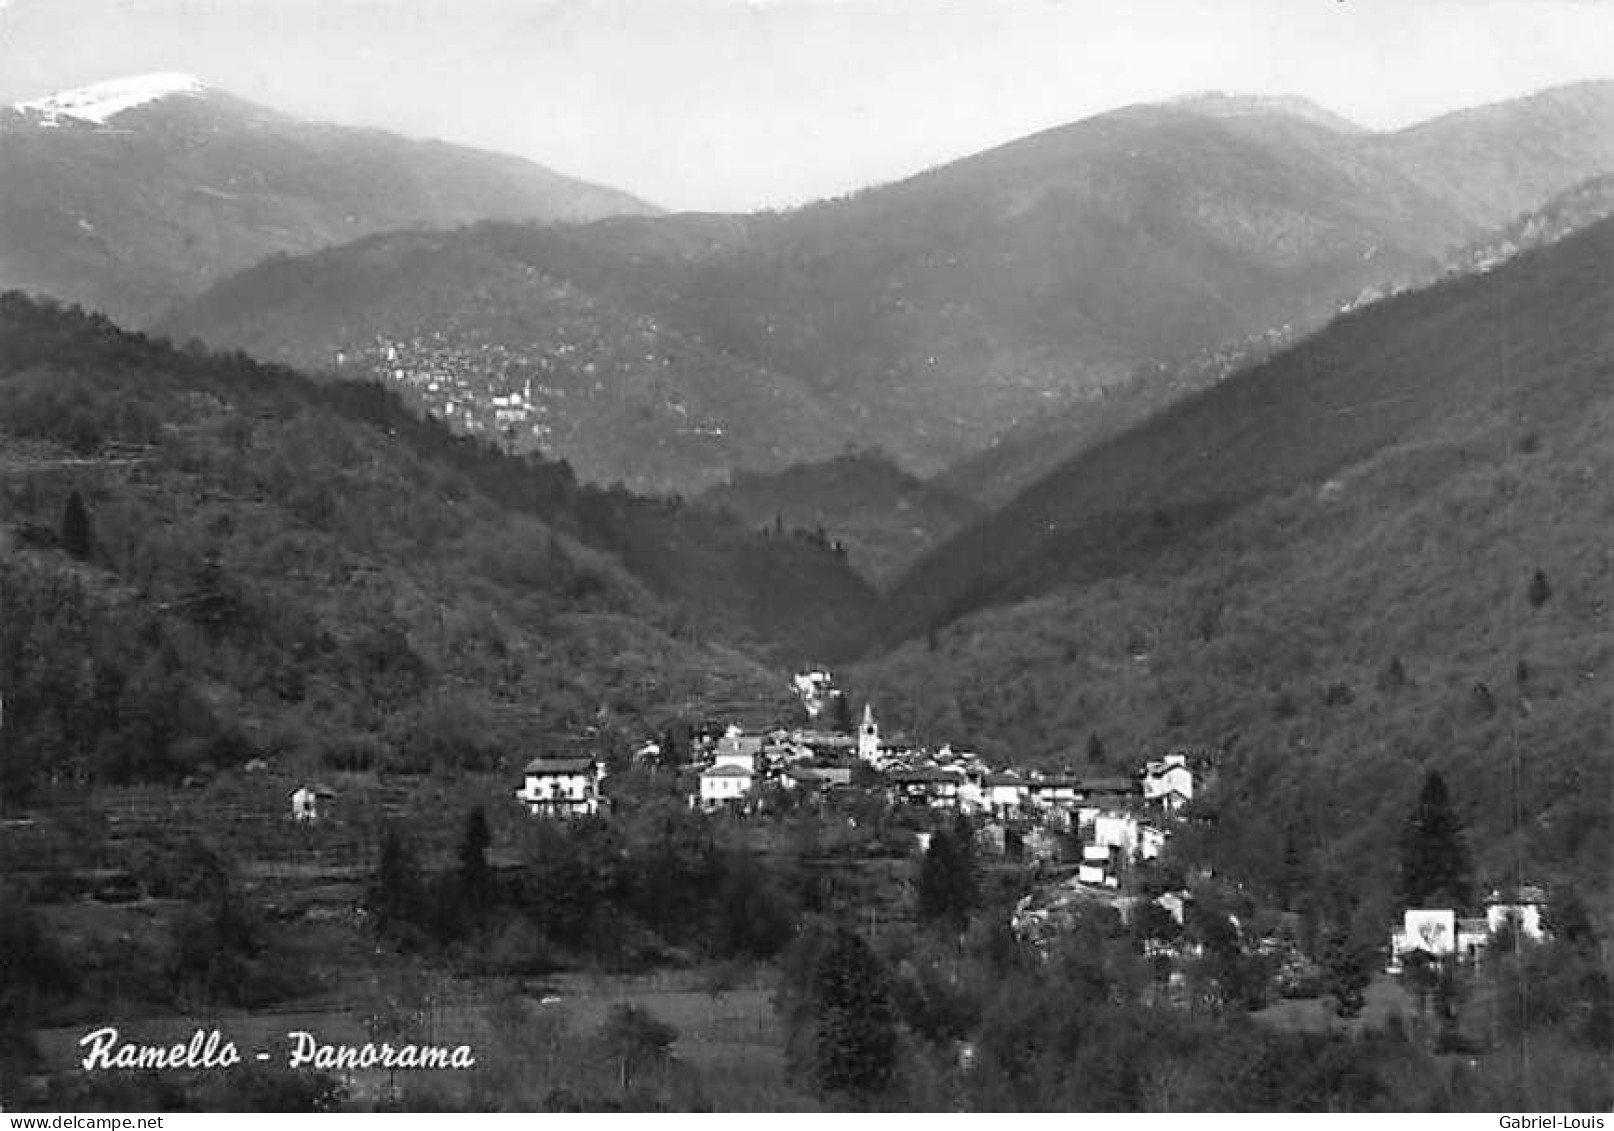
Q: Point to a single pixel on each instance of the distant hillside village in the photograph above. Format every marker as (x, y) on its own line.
(490, 391)
(1096, 833)
(524, 394)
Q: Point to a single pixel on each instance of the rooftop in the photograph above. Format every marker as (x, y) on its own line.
(1522, 894)
(545, 764)
(728, 772)
(1105, 784)
(925, 774)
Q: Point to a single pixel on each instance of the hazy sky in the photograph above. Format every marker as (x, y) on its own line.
(729, 104)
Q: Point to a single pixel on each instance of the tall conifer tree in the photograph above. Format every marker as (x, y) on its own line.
(1434, 861)
(76, 527)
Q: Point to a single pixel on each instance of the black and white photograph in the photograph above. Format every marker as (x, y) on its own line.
(822, 556)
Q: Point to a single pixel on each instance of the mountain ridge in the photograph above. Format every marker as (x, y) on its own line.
(1234, 104)
(922, 316)
(1500, 159)
(101, 101)
(177, 190)
(1035, 446)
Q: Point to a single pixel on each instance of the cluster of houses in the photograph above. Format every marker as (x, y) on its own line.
(489, 389)
(1127, 813)
(486, 387)
(1118, 820)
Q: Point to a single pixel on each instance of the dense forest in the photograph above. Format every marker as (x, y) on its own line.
(884, 516)
(1520, 352)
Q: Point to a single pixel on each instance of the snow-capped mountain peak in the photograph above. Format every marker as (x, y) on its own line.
(101, 101)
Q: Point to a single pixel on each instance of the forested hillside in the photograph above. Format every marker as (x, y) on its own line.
(1333, 594)
(495, 314)
(1525, 341)
(1034, 447)
(884, 516)
(208, 560)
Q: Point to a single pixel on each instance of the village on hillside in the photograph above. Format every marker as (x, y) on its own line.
(1093, 836)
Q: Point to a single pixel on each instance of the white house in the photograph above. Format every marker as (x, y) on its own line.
(1522, 906)
(726, 784)
(1168, 782)
(1052, 792)
(1431, 930)
(1005, 793)
(305, 802)
(1118, 831)
(561, 787)
(1151, 842)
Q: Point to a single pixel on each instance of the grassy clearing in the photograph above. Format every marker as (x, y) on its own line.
(731, 1037)
(1385, 999)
